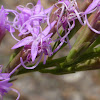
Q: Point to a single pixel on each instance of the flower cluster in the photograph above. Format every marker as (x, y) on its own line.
(36, 40)
(36, 27)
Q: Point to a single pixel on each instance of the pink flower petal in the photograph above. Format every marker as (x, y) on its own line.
(23, 42)
(92, 6)
(34, 50)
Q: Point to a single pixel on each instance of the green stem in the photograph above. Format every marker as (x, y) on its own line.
(49, 63)
(58, 68)
(81, 44)
(91, 64)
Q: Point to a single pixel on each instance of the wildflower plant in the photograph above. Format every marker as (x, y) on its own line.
(43, 32)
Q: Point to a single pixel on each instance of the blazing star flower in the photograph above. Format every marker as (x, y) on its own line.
(4, 23)
(5, 85)
(38, 48)
(38, 44)
(95, 5)
(67, 14)
(29, 20)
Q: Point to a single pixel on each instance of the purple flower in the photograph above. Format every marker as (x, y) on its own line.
(4, 23)
(5, 85)
(39, 47)
(29, 24)
(37, 44)
(29, 20)
(66, 15)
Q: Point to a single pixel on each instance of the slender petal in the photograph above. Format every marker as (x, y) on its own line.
(38, 7)
(92, 6)
(34, 50)
(23, 42)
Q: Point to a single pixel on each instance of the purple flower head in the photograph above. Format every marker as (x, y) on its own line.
(5, 85)
(67, 13)
(37, 44)
(41, 45)
(4, 23)
(29, 20)
(95, 5)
